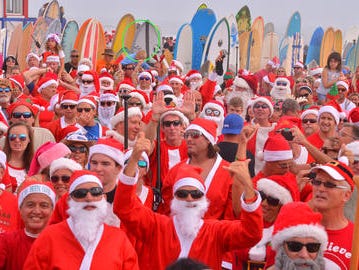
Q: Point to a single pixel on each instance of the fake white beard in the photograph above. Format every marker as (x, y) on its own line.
(105, 114)
(195, 85)
(279, 92)
(85, 90)
(189, 215)
(105, 88)
(4, 99)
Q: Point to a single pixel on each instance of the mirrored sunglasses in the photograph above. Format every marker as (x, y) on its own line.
(18, 115)
(21, 137)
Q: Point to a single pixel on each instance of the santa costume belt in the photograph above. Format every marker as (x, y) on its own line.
(254, 265)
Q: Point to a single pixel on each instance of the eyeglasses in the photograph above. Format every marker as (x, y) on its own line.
(22, 137)
(134, 104)
(263, 106)
(86, 82)
(175, 123)
(270, 200)
(83, 109)
(301, 81)
(304, 95)
(281, 83)
(82, 192)
(342, 90)
(183, 193)
(6, 89)
(107, 103)
(193, 134)
(63, 178)
(75, 56)
(81, 149)
(65, 107)
(316, 182)
(18, 115)
(144, 79)
(10, 59)
(306, 121)
(210, 111)
(123, 91)
(295, 246)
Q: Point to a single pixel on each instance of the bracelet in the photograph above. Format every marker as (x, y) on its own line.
(248, 201)
(240, 159)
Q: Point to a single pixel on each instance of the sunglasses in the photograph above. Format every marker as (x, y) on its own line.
(107, 103)
(87, 82)
(316, 182)
(210, 111)
(63, 178)
(18, 115)
(82, 192)
(80, 110)
(6, 89)
(270, 200)
(135, 104)
(192, 134)
(75, 56)
(65, 107)
(144, 79)
(301, 81)
(306, 121)
(281, 83)
(22, 137)
(175, 123)
(263, 106)
(342, 90)
(304, 95)
(123, 91)
(183, 194)
(295, 246)
(81, 149)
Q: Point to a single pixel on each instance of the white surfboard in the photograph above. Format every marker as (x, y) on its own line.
(183, 47)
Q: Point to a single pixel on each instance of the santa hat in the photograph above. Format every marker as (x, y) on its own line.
(81, 177)
(193, 74)
(143, 155)
(344, 84)
(175, 112)
(338, 171)
(315, 71)
(145, 74)
(64, 163)
(176, 65)
(217, 88)
(288, 122)
(18, 103)
(109, 95)
(250, 79)
(175, 79)
(282, 187)
(18, 80)
(86, 61)
(265, 101)
(30, 186)
(45, 82)
(274, 62)
(309, 111)
(2, 159)
(353, 116)
(297, 219)
(54, 37)
(54, 103)
(69, 97)
(31, 54)
(82, 68)
(331, 110)
(109, 147)
(277, 148)
(125, 84)
(299, 64)
(354, 147)
(120, 115)
(53, 58)
(189, 175)
(215, 104)
(89, 100)
(91, 75)
(240, 82)
(207, 127)
(164, 87)
(141, 95)
(105, 76)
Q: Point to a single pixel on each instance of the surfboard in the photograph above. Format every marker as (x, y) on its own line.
(338, 41)
(256, 44)
(297, 48)
(243, 18)
(54, 28)
(122, 37)
(218, 40)
(315, 45)
(269, 48)
(294, 25)
(268, 28)
(243, 49)
(69, 34)
(233, 56)
(201, 23)
(52, 11)
(2, 43)
(349, 55)
(356, 54)
(80, 35)
(327, 46)
(202, 6)
(39, 35)
(15, 41)
(350, 35)
(286, 54)
(183, 47)
(25, 45)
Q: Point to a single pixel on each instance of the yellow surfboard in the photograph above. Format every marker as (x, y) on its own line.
(256, 45)
(327, 46)
(243, 49)
(122, 37)
(338, 41)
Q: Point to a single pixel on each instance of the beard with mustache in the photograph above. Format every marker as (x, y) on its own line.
(195, 85)
(189, 215)
(105, 114)
(85, 90)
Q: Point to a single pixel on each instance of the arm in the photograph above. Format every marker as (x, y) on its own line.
(31, 75)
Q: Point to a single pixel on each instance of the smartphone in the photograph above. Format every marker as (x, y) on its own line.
(287, 134)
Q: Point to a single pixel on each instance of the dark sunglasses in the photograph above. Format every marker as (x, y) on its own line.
(210, 111)
(63, 178)
(316, 182)
(6, 89)
(107, 103)
(144, 79)
(84, 109)
(75, 56)
(82, 192)
(281, 83)
(175, 123)
(81, 149)
(192, 134)
(18, 115)
(270, 200)
(342, 90)
(183, 194)
(295, 246)
(65, 107)
(86, 82)
(306, 121)
(263, 106)
(22, 137)
(135, 104)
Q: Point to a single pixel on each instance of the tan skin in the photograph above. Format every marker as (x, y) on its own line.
(261, 116)
(21, 109)
(134, 127)
(61, 187)
(303, 253)
(18, 147)
(310, 128)
(89, 198)
(68, 113)
(79, 157)
(86, 118)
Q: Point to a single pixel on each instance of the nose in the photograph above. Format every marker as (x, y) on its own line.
(303, 253)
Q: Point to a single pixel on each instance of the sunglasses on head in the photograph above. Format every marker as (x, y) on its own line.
(65, 107)
(175, 123)
(22, 137)
(6, 89)
(107, 103)
(281, 83)
(193, 134)
(295, 246)
(81, 149)
(183, 193)
(270, 200)
(134, 104)
(18, 115)
(144, 79)
(63, 178)
(316, 182)
(82, 192)
(306, 121)
(86, 82)
(263, 106)
(80, 110)
(210, 111)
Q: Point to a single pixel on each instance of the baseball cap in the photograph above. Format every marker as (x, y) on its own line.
(233, 124)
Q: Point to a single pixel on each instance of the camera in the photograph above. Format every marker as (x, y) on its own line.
(311, 175)
(287, 134)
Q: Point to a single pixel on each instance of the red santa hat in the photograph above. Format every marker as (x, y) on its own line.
(215, 104)
(18, 103)
(141, 95)
(315, 71)
(281, 187)
(109, 147)
(299, 64)
(353, 116)
(64, 163)
(309, 111)
(193, 74)
(54, 103)
(69, 97)
(18, 80)
(91, 75)
(109, 95)
(207, 127)
(189, 175)
(175, 112)
(53, 58)
(125, 84)
(89, 100)
(297, 219)
(246, 80)
(31, 54)
(82, 68)
(277, 148)
(120, 115)
(288, 122)
(146, 74)
(45, 82)
(105, 76)
(31, 186)
(81, 177)
(344, 84)
(176, 79)
(274, 62)
(164, 87)
(176, 65)
(54, 37)
(264, 100)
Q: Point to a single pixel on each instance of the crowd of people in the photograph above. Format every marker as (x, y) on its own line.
(133, 164)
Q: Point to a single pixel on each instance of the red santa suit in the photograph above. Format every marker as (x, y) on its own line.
(58, 248)
(164, 241)
(8, 212)
(57, 126)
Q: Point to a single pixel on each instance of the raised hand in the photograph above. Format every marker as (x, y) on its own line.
(189, 104)
(158, 106)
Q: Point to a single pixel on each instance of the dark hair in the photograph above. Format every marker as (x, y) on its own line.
(354, 128)
(290, 105)
(212, 150)
(336, 56)
(236, 101)
(4, 66)
(187, 264)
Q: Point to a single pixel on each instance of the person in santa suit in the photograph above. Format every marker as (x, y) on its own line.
(36, 201)
(186, 233)
(84, 240)
(281, 89)
(89, 84)
(107, 82)
(108, 105)
(195, 81)
(144, 82)
(214, 110)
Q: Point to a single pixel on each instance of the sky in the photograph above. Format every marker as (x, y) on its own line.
(170, 15)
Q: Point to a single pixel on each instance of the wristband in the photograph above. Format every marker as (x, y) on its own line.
(240, 159)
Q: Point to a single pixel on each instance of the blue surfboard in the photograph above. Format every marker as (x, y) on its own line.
(315, 45)
(294, 25)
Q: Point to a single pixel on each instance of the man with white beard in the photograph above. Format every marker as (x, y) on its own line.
(281, 89)
(89, 84)
(214, 110)
(84, 240)
(185, 233)
(107, 107)
(107, 82)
